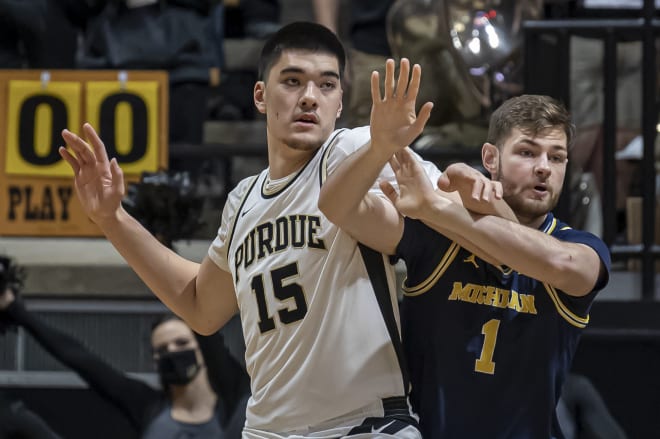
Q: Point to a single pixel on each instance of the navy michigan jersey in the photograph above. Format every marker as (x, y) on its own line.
(488, 348)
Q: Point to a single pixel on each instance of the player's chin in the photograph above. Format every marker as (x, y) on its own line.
(305, 142)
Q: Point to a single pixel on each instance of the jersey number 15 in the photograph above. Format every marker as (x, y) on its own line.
(283, 290)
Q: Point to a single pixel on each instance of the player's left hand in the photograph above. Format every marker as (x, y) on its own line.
(469, 183)
(395, 122)
(415, 190)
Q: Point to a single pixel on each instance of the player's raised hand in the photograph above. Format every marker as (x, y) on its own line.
(395, 122)
(470, 183)
(99, 182)
(416, 192)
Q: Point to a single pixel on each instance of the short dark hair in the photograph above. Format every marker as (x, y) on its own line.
(162, 318)
(301, 35)
(532, 114)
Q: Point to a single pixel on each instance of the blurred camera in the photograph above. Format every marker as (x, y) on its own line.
(11, 276)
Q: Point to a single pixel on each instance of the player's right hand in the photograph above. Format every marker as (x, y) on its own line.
(99, 182)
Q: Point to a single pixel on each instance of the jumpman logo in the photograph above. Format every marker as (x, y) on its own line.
(473, 259)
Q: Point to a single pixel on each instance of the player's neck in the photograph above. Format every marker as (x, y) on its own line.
(283, 165)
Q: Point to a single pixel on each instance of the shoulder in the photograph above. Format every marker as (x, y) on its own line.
(564, 232)
(240, 190)
(349, 140)
(244, 185)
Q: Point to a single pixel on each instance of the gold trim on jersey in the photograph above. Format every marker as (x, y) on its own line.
(426, 285)
(323, 168)
(241, 204)
(286, 182)
(551, 227)
(562, 309)
(567, 314)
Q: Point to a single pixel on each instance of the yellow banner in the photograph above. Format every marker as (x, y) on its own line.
(128, 109)
(126, 118)
(37, 114)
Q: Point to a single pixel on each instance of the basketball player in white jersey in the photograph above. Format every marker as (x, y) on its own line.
(318, 311)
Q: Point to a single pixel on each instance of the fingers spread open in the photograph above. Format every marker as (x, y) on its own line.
(97, 143)
(375, 87)
(389, 191)
(402, 84)
(70, 159)
(415, 81)
(117, 176)
(389, 79)
(423, 117)
(79, 147)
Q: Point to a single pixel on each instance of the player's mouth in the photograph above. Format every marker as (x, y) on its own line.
(307, 119)
(540, 190)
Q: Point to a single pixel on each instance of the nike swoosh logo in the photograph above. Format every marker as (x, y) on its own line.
(379, 430)
(246, 211)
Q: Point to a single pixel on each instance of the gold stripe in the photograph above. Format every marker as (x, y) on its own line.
(324, 163)
(567, 314)
(426, 285)
(232, 228)
(326, 153)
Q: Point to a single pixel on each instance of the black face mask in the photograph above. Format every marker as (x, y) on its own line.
(178, 367)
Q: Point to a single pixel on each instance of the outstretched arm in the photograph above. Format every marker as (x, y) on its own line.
(573, 268)
(132, 397)
(202, 295)
(227, 376)
(17, 421)
(326, 13)
(394, 124)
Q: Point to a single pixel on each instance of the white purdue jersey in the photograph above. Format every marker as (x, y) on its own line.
(317, 345)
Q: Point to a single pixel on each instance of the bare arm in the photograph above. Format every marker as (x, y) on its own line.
(573, 268)
(474, 191)
(326, 13)
(203, 295)
(394, 124)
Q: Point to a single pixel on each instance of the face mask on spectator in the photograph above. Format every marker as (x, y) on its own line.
(179, 367)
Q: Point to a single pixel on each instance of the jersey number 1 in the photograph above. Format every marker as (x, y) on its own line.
(485, 363)
(282, 292)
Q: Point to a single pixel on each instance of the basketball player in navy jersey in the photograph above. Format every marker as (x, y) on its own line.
(493, 309)
(319, 314)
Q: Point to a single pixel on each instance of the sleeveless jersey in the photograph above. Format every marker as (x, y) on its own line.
(488, 348)
(317, 346)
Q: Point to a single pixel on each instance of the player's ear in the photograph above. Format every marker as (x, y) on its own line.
(341, 107)
(490, 158)
(259, 96)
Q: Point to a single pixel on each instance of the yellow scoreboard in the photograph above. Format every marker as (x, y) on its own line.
(129, 110)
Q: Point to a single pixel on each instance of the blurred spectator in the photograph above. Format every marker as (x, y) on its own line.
(183, 37)
(261, 18)
(204, 389)
(41, 34)
(587, 105)
(19, 422)
(368, 48)
(582, 413)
